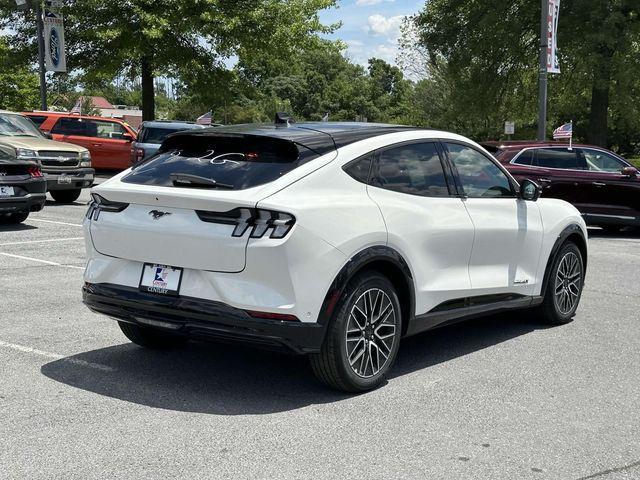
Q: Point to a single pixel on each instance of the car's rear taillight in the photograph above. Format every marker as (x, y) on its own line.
(35, 171)
(100, 204)
(257, 220)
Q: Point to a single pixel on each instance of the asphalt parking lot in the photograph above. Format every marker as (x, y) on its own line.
(497, 398)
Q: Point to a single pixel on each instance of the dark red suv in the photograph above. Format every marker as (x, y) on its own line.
(599, 183)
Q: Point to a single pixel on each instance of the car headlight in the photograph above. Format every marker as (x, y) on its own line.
(85, 159)
(25, 153)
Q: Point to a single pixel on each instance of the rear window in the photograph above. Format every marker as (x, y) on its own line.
(155, 135)
(525, 158)
(231, 162)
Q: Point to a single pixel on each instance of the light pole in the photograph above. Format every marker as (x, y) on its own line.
(23, 5)
(542, 74)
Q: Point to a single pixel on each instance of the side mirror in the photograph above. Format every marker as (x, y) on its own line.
(629, 171)
(48, 135)
(530, 190)
(127, 137)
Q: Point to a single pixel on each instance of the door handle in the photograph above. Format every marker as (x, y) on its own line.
(599, 184)
(96, 144)
(546, 181)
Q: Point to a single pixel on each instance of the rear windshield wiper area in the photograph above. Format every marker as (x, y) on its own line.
(196, 181)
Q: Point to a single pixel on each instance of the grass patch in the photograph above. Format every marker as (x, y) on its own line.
(635, 161)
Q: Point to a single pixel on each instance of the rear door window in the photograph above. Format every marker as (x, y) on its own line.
(562, 158)
(70, 126)
(234, 162)
(415, 169)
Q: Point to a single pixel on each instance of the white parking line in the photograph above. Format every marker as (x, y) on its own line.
(43, 241)
(47, 262)
(55, 356)
(56, 222)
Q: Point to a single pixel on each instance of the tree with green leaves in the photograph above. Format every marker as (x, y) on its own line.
(147, 38)
(19, 87)
(483, 61)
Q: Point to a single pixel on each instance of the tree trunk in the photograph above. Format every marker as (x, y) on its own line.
(599, 115)
(148, 93)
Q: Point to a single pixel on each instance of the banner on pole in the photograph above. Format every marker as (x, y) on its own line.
(553, 12)
(54, 54)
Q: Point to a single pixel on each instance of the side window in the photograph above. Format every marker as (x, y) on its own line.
(525, 158)
(559, 158)
(70, 126)
(106, 129)
(415, 169)
(359, 170)
(479, 176)
(37, 119)
(598, 161)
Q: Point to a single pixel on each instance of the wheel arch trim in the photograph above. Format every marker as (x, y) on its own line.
(370, 256)
(573, 231)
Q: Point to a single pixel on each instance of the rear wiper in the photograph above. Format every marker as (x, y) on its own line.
(188, 180)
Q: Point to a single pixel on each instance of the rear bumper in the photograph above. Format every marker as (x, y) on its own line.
(31, 202)
(73, 179)
(202, 319)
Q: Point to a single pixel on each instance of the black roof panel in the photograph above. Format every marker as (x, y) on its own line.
(321, 137)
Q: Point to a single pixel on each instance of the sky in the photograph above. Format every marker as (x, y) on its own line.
(370, 28)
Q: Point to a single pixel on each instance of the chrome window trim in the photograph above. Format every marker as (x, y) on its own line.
(546, 147)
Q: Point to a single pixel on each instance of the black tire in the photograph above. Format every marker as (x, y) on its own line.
(551, 310)
(65, 196)
(332, 366)
(150, 337)
(13, 218)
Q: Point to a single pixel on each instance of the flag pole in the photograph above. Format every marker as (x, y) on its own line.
(571, 137)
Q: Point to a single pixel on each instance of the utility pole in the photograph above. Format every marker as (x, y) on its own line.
(40, 29)
(542, 79)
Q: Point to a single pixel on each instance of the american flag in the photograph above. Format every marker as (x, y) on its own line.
(565, 131)
(204, 119)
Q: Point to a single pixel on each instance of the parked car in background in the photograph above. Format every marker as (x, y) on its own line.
(333, 240)
(22, 188)
(603, 186)
(153, 133)
(108, 139)
(67, 167)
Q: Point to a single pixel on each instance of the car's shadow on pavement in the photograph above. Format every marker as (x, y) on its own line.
(53, 203)
(232, 380)
(16, 227)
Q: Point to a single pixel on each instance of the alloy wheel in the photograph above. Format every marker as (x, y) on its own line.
(371, 333)
(568, 283)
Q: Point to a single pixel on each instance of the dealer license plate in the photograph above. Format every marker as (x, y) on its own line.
(162, 279)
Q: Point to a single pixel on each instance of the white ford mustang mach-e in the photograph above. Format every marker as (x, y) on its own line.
(333, 240)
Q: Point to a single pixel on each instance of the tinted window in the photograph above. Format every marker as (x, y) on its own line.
(233, 162)
(525, 158)
(155, 135)
(479, 176)
(559, 158)
(415, 169)
(70, 126)
(598, 161)
(359, 169)
(37, 119)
